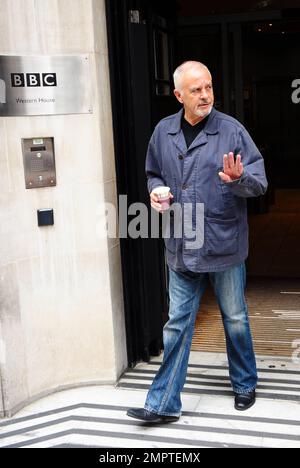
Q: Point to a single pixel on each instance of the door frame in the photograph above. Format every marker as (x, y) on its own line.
(142, 260)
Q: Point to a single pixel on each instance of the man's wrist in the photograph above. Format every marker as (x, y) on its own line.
(235, 181)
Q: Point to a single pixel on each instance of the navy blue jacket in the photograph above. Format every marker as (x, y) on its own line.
(192, 175)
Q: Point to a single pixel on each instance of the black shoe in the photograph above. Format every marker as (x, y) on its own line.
(244, 401)
(148, 416)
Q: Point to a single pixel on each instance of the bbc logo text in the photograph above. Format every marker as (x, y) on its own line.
(23, 80)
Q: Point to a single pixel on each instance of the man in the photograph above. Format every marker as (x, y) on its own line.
(207, 157)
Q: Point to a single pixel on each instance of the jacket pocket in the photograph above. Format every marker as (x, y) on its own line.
(221, 236)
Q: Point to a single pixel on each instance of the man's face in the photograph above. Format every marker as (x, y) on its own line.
(196, 92)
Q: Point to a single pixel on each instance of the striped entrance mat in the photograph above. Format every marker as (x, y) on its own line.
(274, 310)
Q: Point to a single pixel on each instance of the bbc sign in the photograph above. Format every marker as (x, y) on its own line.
(45, 85)
(20, 80)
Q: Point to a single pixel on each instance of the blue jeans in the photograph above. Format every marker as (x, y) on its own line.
(186, 290)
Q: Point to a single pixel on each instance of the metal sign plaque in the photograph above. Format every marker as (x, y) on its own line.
(45, 85)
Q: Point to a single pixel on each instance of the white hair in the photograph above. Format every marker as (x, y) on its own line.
(184, 67)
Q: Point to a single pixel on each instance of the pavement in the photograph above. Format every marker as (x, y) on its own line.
(95, 416)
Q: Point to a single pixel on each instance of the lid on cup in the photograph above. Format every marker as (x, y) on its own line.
(162, 191)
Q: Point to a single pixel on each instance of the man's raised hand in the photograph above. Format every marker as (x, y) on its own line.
(232, 170)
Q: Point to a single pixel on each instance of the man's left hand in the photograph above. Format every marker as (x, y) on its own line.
(232, 170)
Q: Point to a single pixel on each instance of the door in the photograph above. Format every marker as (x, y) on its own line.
(140, 57)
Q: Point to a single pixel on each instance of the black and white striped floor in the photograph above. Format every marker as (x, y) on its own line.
(96, 416)
(275, 382)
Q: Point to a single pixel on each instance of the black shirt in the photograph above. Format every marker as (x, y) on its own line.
(191, 131)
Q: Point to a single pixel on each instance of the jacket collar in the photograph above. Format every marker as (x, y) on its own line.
(211, 127)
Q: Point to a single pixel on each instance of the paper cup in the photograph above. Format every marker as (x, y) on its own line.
(162, 194)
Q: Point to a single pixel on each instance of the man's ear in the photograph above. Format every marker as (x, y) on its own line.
(178, 96)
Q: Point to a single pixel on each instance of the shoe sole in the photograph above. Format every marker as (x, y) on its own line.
(154, 421)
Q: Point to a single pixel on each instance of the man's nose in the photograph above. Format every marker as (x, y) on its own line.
(204, 94)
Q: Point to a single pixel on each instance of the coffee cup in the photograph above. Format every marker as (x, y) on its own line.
(163, 195)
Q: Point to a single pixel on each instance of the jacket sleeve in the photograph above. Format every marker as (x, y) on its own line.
(153, 165)
(253, 181)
